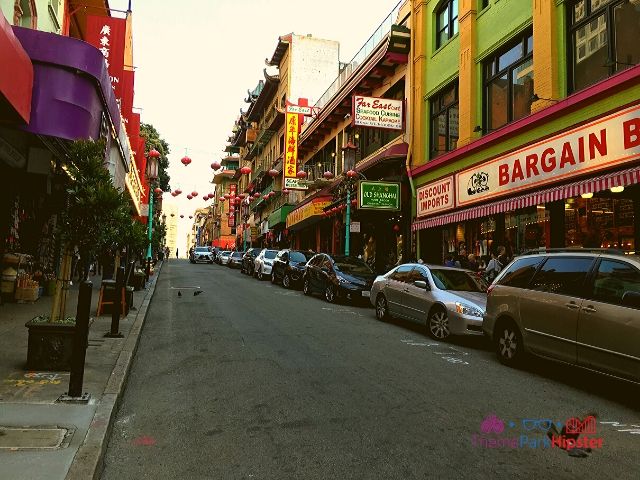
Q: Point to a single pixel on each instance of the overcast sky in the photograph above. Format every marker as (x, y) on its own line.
(196, 59)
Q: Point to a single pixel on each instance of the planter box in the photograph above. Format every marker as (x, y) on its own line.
(50, 346)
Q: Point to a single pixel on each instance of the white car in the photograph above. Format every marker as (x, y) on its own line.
(264, 263)
(224, 257)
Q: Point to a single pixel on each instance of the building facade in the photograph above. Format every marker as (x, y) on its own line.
(526, 126)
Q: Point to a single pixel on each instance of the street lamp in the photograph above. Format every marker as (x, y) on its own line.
(349, 151)
(152, 175)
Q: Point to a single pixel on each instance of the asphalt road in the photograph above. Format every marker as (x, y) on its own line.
(252, 381)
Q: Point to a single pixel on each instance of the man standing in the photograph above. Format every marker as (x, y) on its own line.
(176, 253)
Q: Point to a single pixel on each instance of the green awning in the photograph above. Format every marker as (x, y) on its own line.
(280, 215)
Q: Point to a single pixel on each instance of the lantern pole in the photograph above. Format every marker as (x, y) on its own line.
(349, 166)
(152, 174)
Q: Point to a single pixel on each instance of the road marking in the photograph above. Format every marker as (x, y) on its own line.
(184, 288)
(446, 355)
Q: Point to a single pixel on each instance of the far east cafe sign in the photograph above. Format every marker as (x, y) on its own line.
(608, 142)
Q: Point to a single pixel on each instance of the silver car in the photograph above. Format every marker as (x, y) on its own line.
(224, 257)
(448, 301)
(264, 263)
(580, 307)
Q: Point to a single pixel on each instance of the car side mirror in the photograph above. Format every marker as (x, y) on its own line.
(631, 299)
(422, 284)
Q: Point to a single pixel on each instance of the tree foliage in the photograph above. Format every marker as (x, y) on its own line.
(154, 140)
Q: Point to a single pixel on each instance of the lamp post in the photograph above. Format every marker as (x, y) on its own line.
(152, 175)
(349, 151)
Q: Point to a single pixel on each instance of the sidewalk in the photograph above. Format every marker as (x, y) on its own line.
(28, 399)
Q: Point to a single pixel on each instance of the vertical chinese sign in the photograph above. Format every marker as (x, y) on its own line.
(290, 169)
(233, 188)
(107, 34)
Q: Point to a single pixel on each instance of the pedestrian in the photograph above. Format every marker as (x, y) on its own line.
(463, 261)
(493, 268)
(450, 262)
(472, 264)
(503, 258)
(177, 253)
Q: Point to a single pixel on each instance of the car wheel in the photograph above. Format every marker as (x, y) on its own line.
(438, 324)
(330, 293)
(306, 287)
(382, 308)
(508, 343)
(286, 281)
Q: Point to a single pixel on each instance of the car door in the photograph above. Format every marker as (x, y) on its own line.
(395, 287)
(418, 300)
(324, 272)
(279, 264)
(312, 271)
(608, 330)
(550, 307)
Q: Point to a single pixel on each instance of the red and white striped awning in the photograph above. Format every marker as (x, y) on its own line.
(622, 178)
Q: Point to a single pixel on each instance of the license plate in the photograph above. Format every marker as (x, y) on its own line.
(366, 293)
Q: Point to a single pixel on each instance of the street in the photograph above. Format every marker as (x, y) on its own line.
(249, 380)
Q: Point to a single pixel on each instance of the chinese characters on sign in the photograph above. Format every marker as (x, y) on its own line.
(107, 34)
(233, 188)
(291, 151)
(377, 112)
(379, 195)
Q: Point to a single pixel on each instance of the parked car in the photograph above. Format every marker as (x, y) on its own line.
(248, 260)
(288, 267)
(264, 262)
(448, 301)
(201, 255)
(337, 277)
(224, 257)
(235, 260)
(577, 306)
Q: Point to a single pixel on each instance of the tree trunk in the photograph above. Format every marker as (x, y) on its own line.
(58, 308)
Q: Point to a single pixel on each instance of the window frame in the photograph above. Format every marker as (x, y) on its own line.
(433, 153)
(488, 79)
(594, 274)
(572, 26)
(585, 280)
(446, 4)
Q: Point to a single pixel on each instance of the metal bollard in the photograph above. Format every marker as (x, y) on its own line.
(147, 272)
(80, 340)
(117, 305)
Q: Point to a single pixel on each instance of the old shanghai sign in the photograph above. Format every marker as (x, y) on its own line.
(377, 112)
(607, 142)
(378, 195)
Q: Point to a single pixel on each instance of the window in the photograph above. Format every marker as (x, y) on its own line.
(483, 4)
(509, 83)
(419, 273)
(444, 120)
(446, 22)
(520, 272)
(402, 273)
(564, 276)
(613, 280)
(603, 39)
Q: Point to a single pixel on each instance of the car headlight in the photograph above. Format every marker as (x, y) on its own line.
(470, 310)
(344, 281)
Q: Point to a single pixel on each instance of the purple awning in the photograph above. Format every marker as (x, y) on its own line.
(71, 86)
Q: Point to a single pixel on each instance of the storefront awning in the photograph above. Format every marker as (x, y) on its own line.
(307, 213)
(624, 178)
(15, 87)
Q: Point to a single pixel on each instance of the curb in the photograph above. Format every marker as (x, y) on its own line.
(87, 463)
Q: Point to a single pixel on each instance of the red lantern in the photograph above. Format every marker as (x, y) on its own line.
(153, 153)
(328, 175)
(245, 170)
(190, 217)
(396, 228)
(189, 197)
(256, 195)
(185, 160)
(181, 216)
(265, 197)
(352, 174)
(243, 196)
(354, 202)
(194, 194)
(174, 194)
(178, 191)
(215, 165)
(301, 174)
(285, 191)
(222, 199)
(173, 214)
(273, 172)
(158, 190)
(227, 196)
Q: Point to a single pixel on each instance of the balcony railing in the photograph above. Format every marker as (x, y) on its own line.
(381, 33)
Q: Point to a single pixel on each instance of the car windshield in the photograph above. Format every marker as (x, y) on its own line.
(352, 266)
(458, 280)
(225, 253)
(300, 256)
(202, 250)
(270, 254)
(237, 254)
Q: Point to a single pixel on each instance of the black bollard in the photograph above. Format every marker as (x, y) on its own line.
(147, 271)
(80, 340)
(117, 306)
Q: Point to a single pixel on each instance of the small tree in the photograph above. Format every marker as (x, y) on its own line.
(94, 213)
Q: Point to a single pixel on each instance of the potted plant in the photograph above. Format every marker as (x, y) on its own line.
(91, 217)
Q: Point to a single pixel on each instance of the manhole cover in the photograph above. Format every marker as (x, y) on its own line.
(20, 438)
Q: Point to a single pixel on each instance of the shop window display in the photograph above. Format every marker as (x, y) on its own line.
(527, 229)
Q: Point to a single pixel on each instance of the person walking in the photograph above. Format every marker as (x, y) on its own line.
(177, 253)
(493, 268)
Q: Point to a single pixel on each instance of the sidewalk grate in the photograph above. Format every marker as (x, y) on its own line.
(28, 438)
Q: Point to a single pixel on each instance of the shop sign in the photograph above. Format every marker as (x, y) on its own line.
(354, 227)
(377, 112)
(107, 34)
(290, 168)
(233, 189)
(378, 195)
(434, 197)
(308, 210)
(134, 187)
(610, 141)
(11, 155)
(299, 109)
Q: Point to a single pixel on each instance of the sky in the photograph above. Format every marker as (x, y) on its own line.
(196, 59)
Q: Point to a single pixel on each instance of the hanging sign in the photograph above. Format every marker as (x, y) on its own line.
(434, 197)
(233, 188)
(290, 169)
(377, 112)
(378, 195)
(107, 34)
